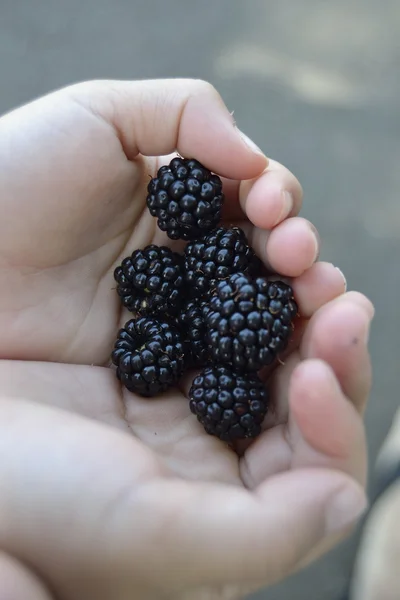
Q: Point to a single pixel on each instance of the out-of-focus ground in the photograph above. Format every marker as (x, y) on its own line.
(317, 86)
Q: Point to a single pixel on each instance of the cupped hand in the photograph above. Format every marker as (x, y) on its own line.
(108, 495)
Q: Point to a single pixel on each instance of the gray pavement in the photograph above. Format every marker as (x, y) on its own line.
(315, 83)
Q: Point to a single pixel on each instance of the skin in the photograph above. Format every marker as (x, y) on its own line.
(110, 496)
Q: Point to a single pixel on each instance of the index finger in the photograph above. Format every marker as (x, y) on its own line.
(157, 117)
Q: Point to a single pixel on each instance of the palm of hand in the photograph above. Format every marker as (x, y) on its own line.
(69, 268)
(74, 212)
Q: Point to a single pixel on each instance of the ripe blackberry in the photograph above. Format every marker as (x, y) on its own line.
(186, 198)
(250, 321)
(148, 355)
(150, 281)
(229, 405)
(193, 329)
(215, 256)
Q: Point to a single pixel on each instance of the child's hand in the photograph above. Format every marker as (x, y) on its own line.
(110, 496)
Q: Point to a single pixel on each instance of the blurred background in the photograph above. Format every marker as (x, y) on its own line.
(315, 83)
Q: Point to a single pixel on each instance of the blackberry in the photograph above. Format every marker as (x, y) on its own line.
(150, 281)
(193, 329)
(215, 256)
(186, 198)
(229, 405)
(148, 355)
(250, 321)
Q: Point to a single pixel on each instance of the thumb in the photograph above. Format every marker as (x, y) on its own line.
(86, 505)
(324, 428)
(158, 117)
(224, 535)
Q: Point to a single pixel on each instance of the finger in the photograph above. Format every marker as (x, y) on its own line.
(377, 574)
(346, 317)
(317, 286)
(338, 334)
(17, 583)
(323, 430)
(156, 117)
(289, 249)
(354, 372)
(271, 198)
(267, 200)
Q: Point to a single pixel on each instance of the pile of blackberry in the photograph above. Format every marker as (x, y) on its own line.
(210, 308)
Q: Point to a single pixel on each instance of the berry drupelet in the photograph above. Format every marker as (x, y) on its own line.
(150, 281)
(250, 321)
(191, 323)
(215, 256)
(186, 198)
(229, 405)
(149, 356)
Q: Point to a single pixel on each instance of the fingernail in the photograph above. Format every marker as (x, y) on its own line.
(365, 334)
(364, 329)
(345, 508)
(287, 206)
(317, 242)
(344, 278)
(250, 144)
